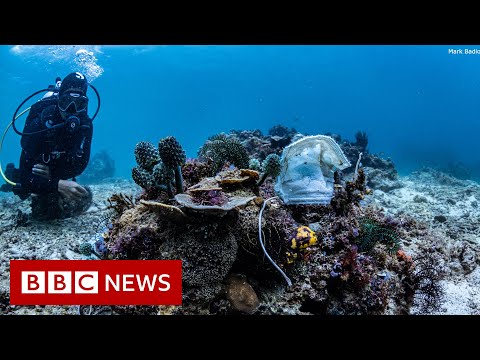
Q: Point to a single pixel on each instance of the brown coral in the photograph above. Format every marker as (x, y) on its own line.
(171, 212)
(233, 202)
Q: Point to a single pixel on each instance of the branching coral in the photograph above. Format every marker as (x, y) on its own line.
(120, 202)
(361, 140)
(353, 267)
(346, 197)
(221, 149)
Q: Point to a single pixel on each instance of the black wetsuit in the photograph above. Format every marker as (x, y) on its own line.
(65, 153)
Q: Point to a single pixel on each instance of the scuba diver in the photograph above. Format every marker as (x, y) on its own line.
(56, 142)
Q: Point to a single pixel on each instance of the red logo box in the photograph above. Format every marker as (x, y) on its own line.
(95, 282)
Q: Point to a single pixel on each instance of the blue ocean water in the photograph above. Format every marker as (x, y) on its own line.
(418, 104)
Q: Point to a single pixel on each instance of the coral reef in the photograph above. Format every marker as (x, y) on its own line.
(221, 149)
(349, 195)
(195, 170)
(163, 177)
(281, 136)
(406, 250)
(259, 146)
(380, 173)
(278, 228)
(209, 196)
(233, 236)
(173, 156)
(85, 248)
(146, 155)
(120, 202)
(142, 177)
(208, 253)
(271, 167)
(371, 232)
(256, 144)
(157, 167)
(282, 130)
(254, 164)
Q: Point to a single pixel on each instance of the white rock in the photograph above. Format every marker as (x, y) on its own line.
(69, 254)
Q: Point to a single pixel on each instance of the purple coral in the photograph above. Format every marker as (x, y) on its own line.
(139, 243)
(195, 170)
(211, 197)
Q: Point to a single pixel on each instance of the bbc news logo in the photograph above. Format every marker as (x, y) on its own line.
(59, 282)
(93, 282)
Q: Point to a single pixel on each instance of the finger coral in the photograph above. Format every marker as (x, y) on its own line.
(142, 177)
(173, 156)
(146, 155)
(171, 152)
(163, 176)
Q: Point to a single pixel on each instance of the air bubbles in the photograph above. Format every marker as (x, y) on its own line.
(76, 57)
(87, 62)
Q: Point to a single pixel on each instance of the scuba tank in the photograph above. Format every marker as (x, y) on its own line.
(53, 88)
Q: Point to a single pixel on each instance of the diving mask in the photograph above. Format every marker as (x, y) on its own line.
(79, 102)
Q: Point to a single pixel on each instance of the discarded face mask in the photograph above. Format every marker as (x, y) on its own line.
(307, 169)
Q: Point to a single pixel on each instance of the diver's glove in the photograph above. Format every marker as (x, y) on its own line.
(17, 190)
(6, 188)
